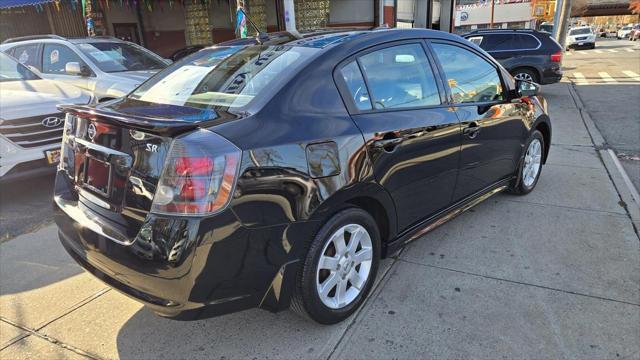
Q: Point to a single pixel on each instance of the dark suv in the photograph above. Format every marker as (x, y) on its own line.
(278, 174)
(527, 54)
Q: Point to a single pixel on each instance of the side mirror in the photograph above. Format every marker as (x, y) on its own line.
(526, 88)
(74, 68)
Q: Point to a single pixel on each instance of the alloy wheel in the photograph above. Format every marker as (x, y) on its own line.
(344, 266)
(523, 76)
(532, 163)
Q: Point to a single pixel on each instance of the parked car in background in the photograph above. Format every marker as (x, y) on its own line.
(546, 27)
(527, 54)
(279, 175)
(30, 124)
(625, 31)
(581, 36)
(105, 66)
(635, 33)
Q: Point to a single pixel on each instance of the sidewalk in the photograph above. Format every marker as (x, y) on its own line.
(555, 274)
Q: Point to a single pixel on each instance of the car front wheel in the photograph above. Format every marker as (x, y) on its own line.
(530, 166)
(339, 269)
(525, 74)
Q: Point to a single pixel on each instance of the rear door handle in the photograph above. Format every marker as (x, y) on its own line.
(472, 130)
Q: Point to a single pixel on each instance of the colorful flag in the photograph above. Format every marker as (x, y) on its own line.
(241, 23)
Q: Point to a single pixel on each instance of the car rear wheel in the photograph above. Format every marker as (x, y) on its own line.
(339, 269)
(525, 74)
(530, 166)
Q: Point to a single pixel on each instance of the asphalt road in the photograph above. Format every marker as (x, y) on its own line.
(607, 80)
(25, 206)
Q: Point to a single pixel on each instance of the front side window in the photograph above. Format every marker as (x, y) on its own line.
(400, 77)
(226, 77)
(11, 70)
(27, 55)
(471, 78)
(117, 56)
(355, 83)
(497, 42)
(56, 57)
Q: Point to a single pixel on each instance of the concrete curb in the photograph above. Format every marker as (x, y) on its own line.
(621, 181)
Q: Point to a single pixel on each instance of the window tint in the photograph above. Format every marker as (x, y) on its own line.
(56, 57)
(400, 77)
(524, 41)
(357, 88)
(27, 55)
(470, 77)
(476, 40)
(497, 42)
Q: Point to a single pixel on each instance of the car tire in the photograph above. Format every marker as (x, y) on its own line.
(527, 177)
(524, 73)
(308, 299)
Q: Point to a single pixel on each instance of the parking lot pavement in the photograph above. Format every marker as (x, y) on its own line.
(555, 274)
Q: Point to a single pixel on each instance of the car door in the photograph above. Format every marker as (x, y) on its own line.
(396, 99)
(54, 60)
(492, 126)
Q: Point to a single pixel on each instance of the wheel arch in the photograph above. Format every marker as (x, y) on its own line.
(370, 197)
(543, 125)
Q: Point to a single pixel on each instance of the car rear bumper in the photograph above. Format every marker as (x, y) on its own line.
(551, 75)
(183, 268)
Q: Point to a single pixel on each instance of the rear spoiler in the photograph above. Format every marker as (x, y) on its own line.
(158, 126)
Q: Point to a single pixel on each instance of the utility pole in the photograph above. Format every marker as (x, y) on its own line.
(493, 8)
(563, 12)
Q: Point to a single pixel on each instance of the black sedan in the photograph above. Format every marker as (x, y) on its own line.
(278, 174)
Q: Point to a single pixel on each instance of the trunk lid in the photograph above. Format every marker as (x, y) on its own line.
(114, 155)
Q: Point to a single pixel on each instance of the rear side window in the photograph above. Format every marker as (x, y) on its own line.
(357, 88)
(400, 77)
(524, 41)
(27, 55)
(56, 57)
(471, 78)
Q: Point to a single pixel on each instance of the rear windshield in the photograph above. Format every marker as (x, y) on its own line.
(581, 31)
(227, 77)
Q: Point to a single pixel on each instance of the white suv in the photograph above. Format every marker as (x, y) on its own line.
(30, 124)
(107, 67)
(581, 36)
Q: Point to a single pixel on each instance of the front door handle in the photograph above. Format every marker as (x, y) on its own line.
(388, 144)
(472, 130)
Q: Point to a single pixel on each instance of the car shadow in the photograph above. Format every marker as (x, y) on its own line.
(248, 334)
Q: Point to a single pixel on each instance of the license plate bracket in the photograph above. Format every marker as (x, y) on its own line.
(97, 175)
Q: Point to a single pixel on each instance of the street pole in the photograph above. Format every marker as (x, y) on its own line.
(563, 21)
(556, 18)
(493, 7)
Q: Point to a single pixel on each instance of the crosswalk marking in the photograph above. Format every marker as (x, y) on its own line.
(606, 77)
(598, 51)
(612, 50)
(632, 75)
(580, 79)
(628, 50)
(568, 53)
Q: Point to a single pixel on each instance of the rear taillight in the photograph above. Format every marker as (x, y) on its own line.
(199, 175)
(557, 57)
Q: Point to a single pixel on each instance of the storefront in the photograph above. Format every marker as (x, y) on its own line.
(167, 25)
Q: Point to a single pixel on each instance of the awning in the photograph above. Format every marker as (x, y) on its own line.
(6, 4)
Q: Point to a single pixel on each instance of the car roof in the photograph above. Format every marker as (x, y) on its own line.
(497, 31)
(324, 39)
